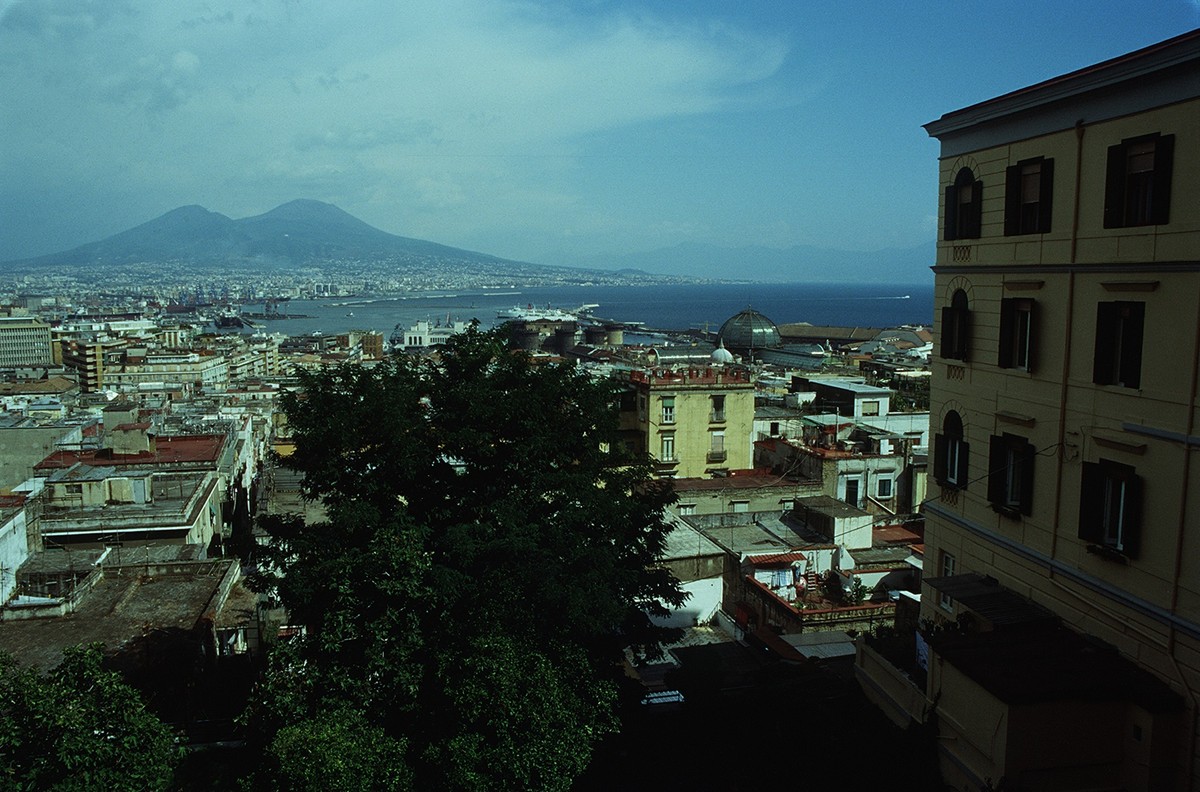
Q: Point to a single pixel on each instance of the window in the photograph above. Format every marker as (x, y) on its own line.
(1118, 356)
(948, 567)
(667, 448)
(1110, 507)
(716, 446)
(964, 207)
(870, 408)
(1028, 191)
(1010, 474)
(950, 452)
(956, 327)
(774, 429)
(668, 409)
(718, 409)
(1137, 188)
(883, 487)
(739, 507)
(1016, 334)
(851, 495)
(686, 509)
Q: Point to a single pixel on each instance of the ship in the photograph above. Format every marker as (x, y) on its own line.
(532, 313)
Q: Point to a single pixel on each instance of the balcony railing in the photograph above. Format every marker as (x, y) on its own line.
(717, 456)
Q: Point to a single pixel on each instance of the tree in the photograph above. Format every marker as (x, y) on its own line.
(79, 728)
(489, 551)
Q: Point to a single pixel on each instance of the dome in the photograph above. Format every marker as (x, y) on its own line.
(748, 331)
(722, 355)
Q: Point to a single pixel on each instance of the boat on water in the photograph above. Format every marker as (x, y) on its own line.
(532, 313)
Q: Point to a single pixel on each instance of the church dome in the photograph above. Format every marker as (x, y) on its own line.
(722, 355)
(748, 331)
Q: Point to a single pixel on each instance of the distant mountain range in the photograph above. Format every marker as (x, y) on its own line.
(297, 232)
(799, 263)
(311, 232)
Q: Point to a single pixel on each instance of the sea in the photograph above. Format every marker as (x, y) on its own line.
(657, 307)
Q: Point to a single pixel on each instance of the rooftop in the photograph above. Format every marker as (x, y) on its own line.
(183, 449)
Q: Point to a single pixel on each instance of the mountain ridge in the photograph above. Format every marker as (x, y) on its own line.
(297, 232)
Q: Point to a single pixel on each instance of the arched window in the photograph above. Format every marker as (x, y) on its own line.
(963, 209)
(950, 453)
(956, 327)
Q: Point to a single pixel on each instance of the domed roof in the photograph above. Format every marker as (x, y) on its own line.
(722, 355)
(749, 330)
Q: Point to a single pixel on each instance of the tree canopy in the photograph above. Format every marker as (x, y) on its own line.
(488, 552)
(80, 727)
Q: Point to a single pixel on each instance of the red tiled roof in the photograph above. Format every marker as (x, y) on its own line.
(776, 559)
(168, 450)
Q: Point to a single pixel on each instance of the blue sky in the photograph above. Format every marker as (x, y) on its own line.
(541, 131)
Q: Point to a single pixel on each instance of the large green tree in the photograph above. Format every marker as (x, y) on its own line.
(80, 727)
(489, 551)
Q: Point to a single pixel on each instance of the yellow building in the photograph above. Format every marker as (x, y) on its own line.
(1061, 600)
(694, 421)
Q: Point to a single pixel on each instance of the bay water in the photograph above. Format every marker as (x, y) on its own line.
(664, 307)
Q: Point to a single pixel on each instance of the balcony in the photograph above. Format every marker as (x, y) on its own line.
(717, 456)
(717, 416)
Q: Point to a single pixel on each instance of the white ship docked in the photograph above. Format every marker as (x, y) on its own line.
(532, 313)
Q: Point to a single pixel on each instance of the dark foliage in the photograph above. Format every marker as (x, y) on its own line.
(487, 555)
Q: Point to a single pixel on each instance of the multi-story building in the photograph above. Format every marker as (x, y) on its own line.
(24, 341)
(1061, 598)
(694, 422)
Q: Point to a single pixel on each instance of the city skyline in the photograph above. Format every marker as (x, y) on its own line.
(530, 131)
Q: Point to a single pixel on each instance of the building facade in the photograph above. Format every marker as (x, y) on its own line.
(1061, 599)
(694, 422)
(24, 341)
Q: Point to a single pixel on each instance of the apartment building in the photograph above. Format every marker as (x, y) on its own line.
(1061, 596)
(24, 341)
(694, 422)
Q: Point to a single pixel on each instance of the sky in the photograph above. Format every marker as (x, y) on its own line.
(545, 131)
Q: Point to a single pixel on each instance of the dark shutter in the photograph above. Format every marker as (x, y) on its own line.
(964, 454)
(1012, 200)
(1046, 198)
(974, 228)
(1131, 518)
(940, 450)
(1091, 503)
(1008, 328)
(997, 462)
(1027, 453)
(964, 334)
(1131, 343)
(950, 214)
(1106, 330)
(1031, 354)
(949, 336)
(1114, 188)
(1164, 151)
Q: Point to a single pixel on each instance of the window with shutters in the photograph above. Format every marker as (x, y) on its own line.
(1110, 507)
(1137, 187)
(1118, 354)
(1028, 197)
(1010, 474)
(667, 448)
(717, 414)
(963, 207)
(1016, 334)
(950, 453)
(668, 409)
(948, 567)
(956, 327)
